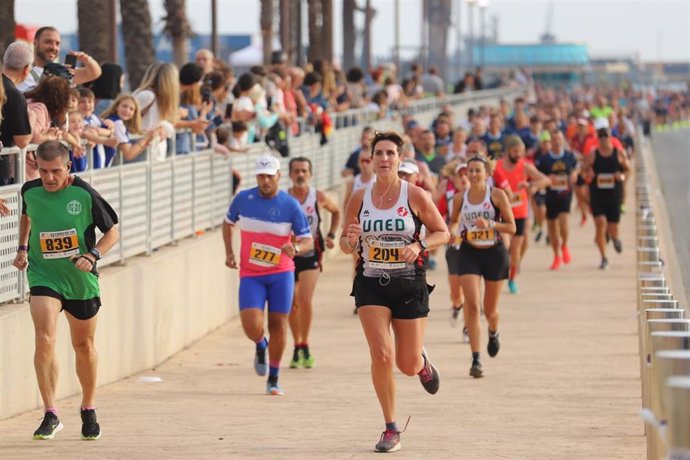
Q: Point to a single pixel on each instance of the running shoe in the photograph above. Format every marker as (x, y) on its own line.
(604, 264)
(297, 359)
(622, 209)
(494, 345)
(273, 389)
(566, 254)
(308, 360)
(389, 442)
(90, 429)
(547, 240)
(454, 314)
(583, 220)
(476, 370)
(465, 335)
(429, 375)
(260, 362)
(539, 234)
(512, 287)
(617, 245)
(49, 426)
(556, 264)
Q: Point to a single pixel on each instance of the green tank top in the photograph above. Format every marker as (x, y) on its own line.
(63, 225)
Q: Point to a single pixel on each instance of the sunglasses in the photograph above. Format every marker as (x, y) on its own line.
(602, 133)
(365, 160)
(479, 158)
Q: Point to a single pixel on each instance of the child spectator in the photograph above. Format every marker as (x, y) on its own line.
(98, 132)
(76, 126)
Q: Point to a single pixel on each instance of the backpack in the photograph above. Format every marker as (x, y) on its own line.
(277, 139)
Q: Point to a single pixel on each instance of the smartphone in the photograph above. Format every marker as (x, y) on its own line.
(228, 111)
(71, 61)
(206, 94)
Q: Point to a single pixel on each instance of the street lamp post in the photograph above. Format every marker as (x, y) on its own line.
(483, 5)
(470, 15)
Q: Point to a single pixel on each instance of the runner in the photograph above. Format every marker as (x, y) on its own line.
(483, 213)
(57, 242)
(561, 167)
(584, 132)
(382, 224)
(539, 195)
(606, 169)
(267, 219)
(308, 265)
(524, 180)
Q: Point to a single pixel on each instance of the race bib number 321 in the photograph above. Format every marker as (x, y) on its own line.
(59, 245)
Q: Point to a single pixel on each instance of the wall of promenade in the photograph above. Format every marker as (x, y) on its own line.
(165, 285)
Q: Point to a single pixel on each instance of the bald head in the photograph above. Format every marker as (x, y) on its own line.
(204, 59)
(18, 55)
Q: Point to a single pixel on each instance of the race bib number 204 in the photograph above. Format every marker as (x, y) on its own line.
(59, 245)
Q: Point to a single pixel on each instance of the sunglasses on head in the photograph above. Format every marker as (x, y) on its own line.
(602, 133)
(478, 158)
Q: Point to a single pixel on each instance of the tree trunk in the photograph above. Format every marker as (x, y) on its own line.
(439, 14)
(267, 29)
(297, 51)
(366, 43)
(7, 24)
(284, 12)
(178, 29)
(94, 27)
(327, 29)
(349, 40)
(136, 30)
(315, 29)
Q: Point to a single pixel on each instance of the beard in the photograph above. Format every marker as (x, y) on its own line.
(513, 160)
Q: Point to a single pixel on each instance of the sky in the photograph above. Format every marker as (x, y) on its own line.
(649, 29)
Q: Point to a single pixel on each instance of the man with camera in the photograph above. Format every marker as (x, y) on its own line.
(47, 50)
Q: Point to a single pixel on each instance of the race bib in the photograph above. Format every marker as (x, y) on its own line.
(264, 255)
(386, 254)
(559, 183)
(516, 201)
(59, 245)
(605, 181)
(481, 237)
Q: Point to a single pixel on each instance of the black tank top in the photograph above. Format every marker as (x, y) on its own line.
(604, 169)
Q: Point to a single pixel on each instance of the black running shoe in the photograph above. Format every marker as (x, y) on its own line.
(617, 245)
(454, 315)
(538, 236)
(429, 375)
(389, 442)
(90, 429)
(49, 426)
(494, 345)
(476, 370)
(604, 264)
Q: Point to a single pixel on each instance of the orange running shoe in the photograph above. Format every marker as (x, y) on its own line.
(556, 263)
(566, 254)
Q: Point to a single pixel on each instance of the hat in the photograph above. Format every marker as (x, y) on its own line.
(601, 123)
(545, 136)
(582, 121)
(512, 141)
(408, 167)
(460, 166)
(267, 164)
(411, 124)
(191, 73)
(278, 57)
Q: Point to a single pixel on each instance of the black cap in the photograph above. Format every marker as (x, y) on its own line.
(191, 73)
(278, 57)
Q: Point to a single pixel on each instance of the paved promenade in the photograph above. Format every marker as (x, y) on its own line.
(564, 386)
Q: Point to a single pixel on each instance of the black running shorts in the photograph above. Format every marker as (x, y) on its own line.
(540, 198)
(520, 226)
(492, 263)
(307, 263)
(80, 309)
(606, 204)
(453, 260)
(557, 204)
(406, 298)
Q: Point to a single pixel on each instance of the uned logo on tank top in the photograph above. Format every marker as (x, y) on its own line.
(310, 209)
(402, 212)
(487, 205)
(74, 207)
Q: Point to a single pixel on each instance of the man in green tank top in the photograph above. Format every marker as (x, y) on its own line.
(57, 243)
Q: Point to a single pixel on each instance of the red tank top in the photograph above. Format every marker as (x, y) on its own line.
(515, 176)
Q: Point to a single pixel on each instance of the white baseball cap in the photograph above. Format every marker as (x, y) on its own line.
(601, 123)
(267, 164)
(460, 166)
(408, 167)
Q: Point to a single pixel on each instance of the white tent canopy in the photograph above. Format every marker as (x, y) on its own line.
(251, 55)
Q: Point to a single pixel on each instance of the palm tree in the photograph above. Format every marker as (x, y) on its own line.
(438, 14)
(94, 38)
(349, 7)
(267, 29)
(315, 30)
(327, 29)
(7, 24)
(179, 30)
(138, 37)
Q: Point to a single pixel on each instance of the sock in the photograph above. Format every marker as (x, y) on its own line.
(53, 410)
(475, 357)
(305, 350)
(392, 426)
(261, 344)
(273, 368)
(88, 407)
(513, 271)
(493, 333)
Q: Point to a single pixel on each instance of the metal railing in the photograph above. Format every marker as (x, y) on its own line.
(664, 334)
(161, 202)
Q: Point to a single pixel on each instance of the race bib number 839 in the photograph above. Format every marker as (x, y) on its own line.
(59, 245)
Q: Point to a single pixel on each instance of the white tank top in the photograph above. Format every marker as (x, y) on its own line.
(310, 206)
(482, 238)
(358, 184)
(384, 233)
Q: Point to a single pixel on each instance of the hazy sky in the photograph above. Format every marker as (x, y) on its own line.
(652, 29)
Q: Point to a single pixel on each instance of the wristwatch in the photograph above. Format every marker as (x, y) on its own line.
(96, 253)
(331, 235)
(423, 243)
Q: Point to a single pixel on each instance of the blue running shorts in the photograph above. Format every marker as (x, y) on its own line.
(277, 289)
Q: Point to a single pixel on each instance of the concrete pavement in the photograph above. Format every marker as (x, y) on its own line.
(564, 386)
